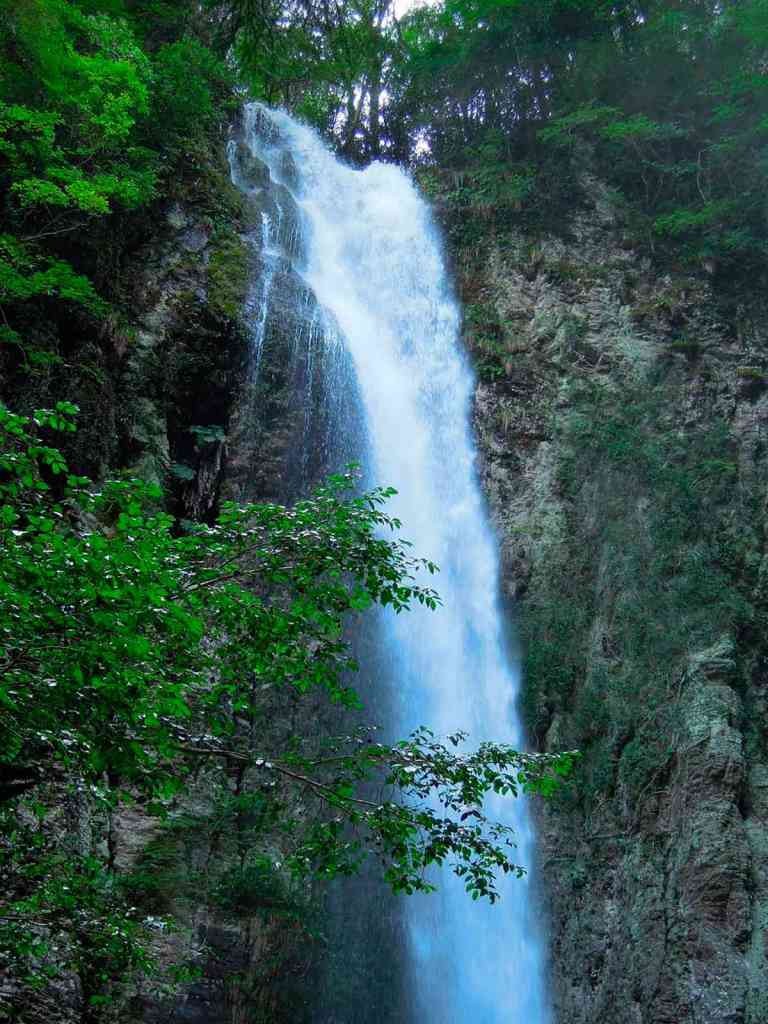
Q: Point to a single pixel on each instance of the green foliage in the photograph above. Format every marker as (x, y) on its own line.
(208, 435)
(672, 104)
(491, 178)
(489, 183)
(562, 131)
(330, 62)
(253, 887)
(686, 146)
(486, 341)
(91, 80)
(132, 651)
(25, 275)
(470, 66)
(95, 122)
(190, 85)
(105, 664)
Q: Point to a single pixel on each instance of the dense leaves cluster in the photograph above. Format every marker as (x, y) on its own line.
(330, 61)
(118, 631)
(100, 102)
(671, 97)
(131, 651)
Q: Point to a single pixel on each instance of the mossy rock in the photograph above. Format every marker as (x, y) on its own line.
(228, 275)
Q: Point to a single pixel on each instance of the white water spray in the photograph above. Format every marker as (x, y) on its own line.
(372, 257)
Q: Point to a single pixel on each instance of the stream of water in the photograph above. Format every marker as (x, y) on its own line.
(371, 255)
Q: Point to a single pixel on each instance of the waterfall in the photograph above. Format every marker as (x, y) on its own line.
(364, 244)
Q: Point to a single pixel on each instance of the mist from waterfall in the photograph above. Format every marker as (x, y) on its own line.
(369, 252)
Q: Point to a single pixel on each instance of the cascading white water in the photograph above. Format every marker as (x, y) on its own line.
(265, 238)
(372, 258)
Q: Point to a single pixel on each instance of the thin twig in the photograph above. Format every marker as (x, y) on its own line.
(281, 769)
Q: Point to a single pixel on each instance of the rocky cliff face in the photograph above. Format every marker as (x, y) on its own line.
(164, 394)
(622, 415)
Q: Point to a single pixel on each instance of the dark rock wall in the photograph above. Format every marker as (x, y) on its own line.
(622, 416)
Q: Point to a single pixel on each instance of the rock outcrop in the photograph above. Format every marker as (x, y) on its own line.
(622, 415)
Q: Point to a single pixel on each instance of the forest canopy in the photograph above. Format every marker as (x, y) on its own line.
(667, 98)
(102, 101)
